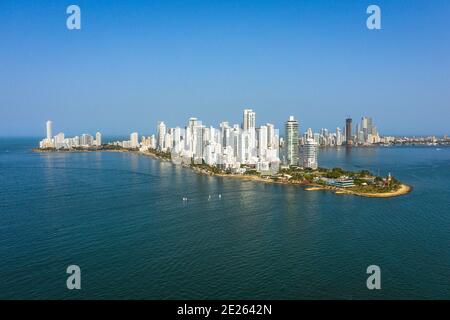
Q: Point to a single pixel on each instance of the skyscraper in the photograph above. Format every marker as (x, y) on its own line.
(309, 154)
(249, 128)
(177, 139)
(225, 134)
(249, 120)
(49, 130)
(59, 140)
(161, 134)
(262, 141)
(98, 139)
(367, 128)
(348, 131)
(191, 134)
(338, 137)
(134, 138)
(86, 140)
(309, 134)
(291, 144)
(270, 135)
(192, 123)
(198, 143)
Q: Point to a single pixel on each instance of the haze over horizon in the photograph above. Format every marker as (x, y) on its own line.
(136, 62)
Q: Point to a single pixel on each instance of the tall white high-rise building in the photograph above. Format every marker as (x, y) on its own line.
(270, 135)
(177, 139)
(191, 135)
(309, 134)
(134, 140)
(98, 139)
(339, 137)
(86, 140)
(49, 130)
(309, 154)
(161, 134)
(59, 140)
(225, 134)
(192, 122)
(291, 143)
(198, 142)
(249, 126)
(236, 143)
(249, 119)
(262, 141)
(152, 143)
(168, 141)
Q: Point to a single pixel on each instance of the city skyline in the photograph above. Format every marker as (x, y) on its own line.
(231, 146)
(249, 116)
(248, 149)
(363, 132)
(355, 122)
(317, 61)
(228, 147)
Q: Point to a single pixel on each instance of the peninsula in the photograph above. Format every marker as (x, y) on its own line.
(360, 183)
(249, 152)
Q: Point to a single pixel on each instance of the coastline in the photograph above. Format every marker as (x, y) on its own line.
(403, 190)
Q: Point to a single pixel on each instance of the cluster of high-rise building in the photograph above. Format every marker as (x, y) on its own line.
(226, 147)
(59, 141)
(299, 151)
(234, 147)
(324, 138)
(365, 132)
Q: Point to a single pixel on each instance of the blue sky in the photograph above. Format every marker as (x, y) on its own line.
(136, 62)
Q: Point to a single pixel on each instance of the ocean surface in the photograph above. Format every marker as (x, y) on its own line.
(121, 218)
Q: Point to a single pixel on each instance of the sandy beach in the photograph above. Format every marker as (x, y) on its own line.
(404, 189)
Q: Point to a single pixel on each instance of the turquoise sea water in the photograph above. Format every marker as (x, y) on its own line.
(121, 218)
